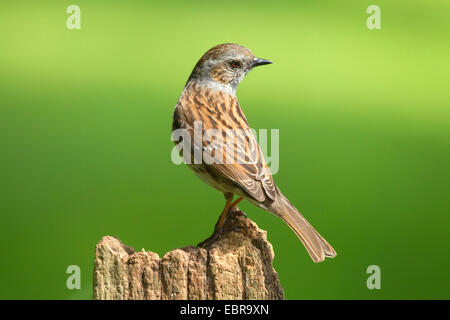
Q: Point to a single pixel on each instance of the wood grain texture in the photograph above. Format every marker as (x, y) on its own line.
(237, 264)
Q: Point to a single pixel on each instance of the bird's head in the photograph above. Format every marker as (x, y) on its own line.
(224, 66)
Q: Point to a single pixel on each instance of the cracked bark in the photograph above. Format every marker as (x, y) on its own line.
(235, 264)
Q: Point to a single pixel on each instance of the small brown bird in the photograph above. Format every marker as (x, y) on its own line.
(209, 99)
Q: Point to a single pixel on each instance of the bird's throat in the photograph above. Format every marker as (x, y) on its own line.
(213, 85)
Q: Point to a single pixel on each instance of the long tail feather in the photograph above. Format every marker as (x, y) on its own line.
(317, 247)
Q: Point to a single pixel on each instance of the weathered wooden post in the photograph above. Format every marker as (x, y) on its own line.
(237, 264)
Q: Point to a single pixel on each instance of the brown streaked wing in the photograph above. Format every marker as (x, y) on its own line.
(249, 168)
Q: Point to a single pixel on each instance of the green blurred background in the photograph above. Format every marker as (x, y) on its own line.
(364, 122)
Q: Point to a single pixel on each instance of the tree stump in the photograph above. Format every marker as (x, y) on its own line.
(235, 263)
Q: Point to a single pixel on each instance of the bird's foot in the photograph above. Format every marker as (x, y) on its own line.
(217, 234)
(223, 227)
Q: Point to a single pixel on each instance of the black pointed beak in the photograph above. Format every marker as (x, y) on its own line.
(259, 62)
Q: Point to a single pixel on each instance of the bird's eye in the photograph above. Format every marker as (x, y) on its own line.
(235, 64)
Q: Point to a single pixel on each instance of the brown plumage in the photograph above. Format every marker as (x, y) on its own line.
(209, 99)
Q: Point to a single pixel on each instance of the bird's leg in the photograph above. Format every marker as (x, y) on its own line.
(219, 224)
(235, 203)
(233, 207)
